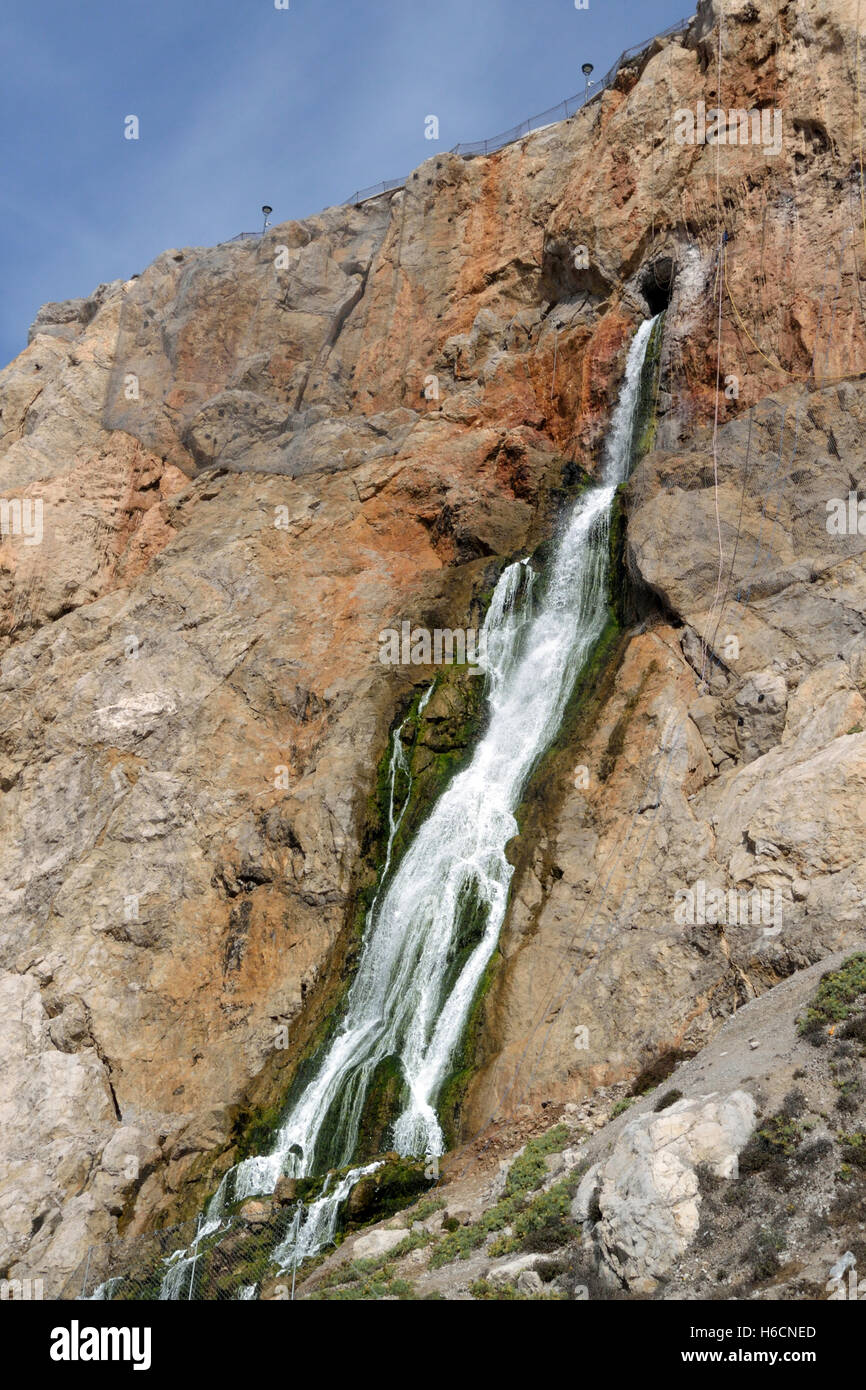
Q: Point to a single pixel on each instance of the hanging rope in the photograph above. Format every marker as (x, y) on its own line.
(860, 130)
(722, 235)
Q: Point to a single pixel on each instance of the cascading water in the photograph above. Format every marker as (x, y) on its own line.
(434, 924)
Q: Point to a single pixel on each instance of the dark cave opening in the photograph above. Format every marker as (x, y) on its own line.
(657, 283)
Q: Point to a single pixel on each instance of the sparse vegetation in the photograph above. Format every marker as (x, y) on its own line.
(484, 1289)
(621, 1106)
(777, 1141)
(533, 1222)
(763, 1253)
(529, 1170)
(427, 1207)
(374, 1277)
(544, 1224)
(377, 1284)
(853, 1149)
(834, 1000)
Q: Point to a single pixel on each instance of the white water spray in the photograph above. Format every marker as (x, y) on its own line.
(434, 925)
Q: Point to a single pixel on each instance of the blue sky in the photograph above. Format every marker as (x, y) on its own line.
(241, 104)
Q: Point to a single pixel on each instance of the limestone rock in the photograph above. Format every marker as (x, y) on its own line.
(646, 1193)
(255, 1213)
(512, 1270)
(377, 1242)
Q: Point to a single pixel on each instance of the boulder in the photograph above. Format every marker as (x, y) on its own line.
(641, 1205)
(510, 1270)
(377, 1243)
(255, 1213)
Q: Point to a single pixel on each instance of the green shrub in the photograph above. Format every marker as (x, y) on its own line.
(544, 1215)
(854, 1149)
(543, 1224)
(836, 993)
(778, 1138)
(428, 1206)
(483, 1289)
(669, 1098)
(529, 1170)
(763, 1253)
(621, 1106)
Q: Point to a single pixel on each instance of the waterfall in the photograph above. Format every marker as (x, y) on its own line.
(434, 925)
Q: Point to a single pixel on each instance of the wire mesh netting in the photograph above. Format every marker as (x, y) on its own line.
(179, 1263)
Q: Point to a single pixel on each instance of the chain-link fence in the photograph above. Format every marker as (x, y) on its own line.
(561, 112)
(190, 1262)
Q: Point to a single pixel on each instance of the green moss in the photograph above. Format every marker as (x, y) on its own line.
(391, 1188)
(836, 994)
(449, 1104)
(258, 1127)
(646, 421)
(386, 1095)
(437, 743)
(592, 687)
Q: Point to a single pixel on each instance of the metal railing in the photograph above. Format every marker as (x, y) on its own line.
(563, 111)
(375, 190)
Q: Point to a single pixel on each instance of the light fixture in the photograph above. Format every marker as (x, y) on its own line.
(266, 212)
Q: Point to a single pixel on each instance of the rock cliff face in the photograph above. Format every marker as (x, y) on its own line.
(253, 458)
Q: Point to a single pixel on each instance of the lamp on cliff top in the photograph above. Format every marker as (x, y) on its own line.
(586, 70)
(267, 212)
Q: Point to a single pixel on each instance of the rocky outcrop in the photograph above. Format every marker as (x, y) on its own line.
(641, 1207)
(252, 458)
